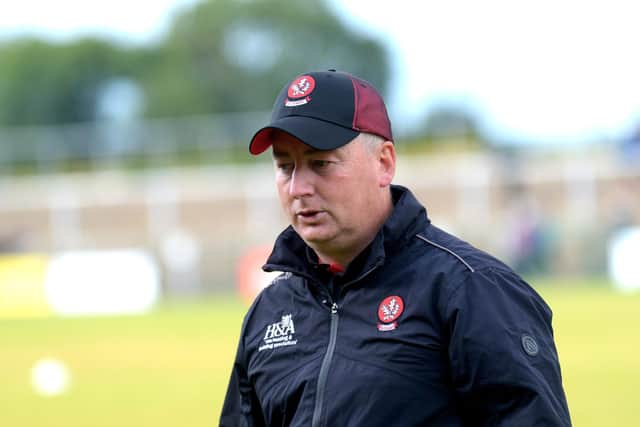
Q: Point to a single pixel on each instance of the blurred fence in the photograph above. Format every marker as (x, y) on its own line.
(544, 213)
(123, 144)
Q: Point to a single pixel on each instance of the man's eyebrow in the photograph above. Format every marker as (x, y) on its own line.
(280, 154)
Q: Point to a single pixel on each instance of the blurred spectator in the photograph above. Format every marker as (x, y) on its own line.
(631, 148)
(13, 241)
(529, 242)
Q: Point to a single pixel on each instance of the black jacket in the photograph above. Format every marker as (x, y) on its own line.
(422, 329)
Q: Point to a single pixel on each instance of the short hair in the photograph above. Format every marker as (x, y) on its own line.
(371, 141)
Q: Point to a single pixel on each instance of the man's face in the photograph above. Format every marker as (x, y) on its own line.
(331, 198)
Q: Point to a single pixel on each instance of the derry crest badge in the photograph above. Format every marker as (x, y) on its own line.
(299, 91)
(388, 312)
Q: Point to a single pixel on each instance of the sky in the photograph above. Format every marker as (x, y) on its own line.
(548, 71)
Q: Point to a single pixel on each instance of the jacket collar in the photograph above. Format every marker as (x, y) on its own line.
(408, 217)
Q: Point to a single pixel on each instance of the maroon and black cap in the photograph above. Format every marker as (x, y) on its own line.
(325, 110)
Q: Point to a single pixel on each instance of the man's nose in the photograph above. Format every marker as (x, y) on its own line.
(301, 183)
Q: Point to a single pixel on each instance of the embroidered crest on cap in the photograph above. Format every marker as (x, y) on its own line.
(299, 90)
(388, 312)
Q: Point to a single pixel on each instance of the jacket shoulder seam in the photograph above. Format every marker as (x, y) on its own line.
(449, 251)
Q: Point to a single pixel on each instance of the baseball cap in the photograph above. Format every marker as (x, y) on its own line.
(325, 110)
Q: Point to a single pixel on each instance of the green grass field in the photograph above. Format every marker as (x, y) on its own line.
(171, 368)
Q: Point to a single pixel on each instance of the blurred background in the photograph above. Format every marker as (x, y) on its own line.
(133, 221)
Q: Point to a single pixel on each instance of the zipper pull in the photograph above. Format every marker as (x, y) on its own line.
(334, 308)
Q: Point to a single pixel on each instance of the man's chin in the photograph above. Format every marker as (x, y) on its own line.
(315, 237)
(315, 240)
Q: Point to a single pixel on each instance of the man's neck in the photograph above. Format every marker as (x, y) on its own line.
(342, 261)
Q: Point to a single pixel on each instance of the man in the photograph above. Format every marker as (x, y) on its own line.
(379, 318)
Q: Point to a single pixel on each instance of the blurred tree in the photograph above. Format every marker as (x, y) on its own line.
(229, 55)
(220, 56)
(43, 83)
(448, 123)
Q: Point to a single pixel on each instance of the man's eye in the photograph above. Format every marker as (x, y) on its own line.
(284, 167)
(320, 164)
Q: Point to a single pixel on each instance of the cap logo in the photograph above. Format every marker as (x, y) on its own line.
(302, 86)
(389, 311)
(299, 90)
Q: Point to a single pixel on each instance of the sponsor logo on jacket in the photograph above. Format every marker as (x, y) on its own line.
(279, 334)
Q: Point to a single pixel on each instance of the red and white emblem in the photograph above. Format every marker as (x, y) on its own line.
(388, 312)
(301, 87)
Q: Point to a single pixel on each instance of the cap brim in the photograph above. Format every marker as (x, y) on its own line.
(315, 133)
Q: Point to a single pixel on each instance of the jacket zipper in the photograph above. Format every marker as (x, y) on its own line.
(316, 420)
(324, 368)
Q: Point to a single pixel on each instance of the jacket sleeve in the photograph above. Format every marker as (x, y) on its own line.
(503, 360)
(241, 407)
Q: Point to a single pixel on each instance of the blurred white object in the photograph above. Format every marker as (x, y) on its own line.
(624, 259)
(181, 251)
(49, 377)
(102, 282)
(181, 255)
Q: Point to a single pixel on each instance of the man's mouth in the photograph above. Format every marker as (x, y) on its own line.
(308, 213)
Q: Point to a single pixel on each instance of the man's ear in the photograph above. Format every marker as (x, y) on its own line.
(386, 163)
